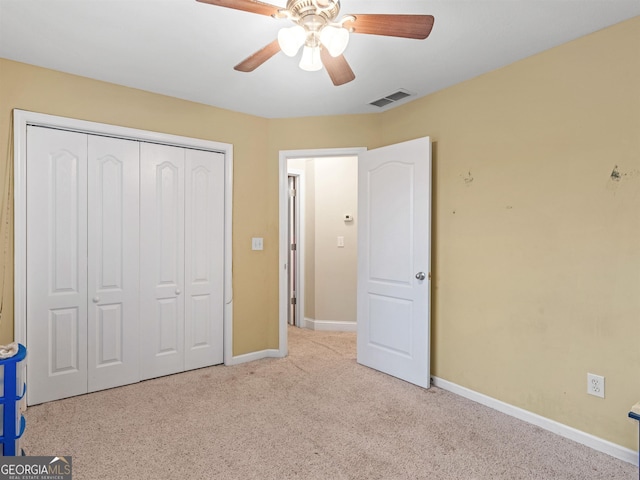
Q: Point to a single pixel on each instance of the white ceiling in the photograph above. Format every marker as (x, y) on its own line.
(187, 49)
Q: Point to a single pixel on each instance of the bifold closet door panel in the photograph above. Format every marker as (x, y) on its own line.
(113, 235)
(125, 261)
(204, 258)
(56, 264)
(161, 260)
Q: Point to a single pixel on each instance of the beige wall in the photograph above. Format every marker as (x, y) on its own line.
(336, 193)
(536, 253)
(256, 143)
(330, 272)
(46, 91)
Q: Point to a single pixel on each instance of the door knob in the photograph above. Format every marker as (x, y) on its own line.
(96, 299)
(421, 275)
(178, 292)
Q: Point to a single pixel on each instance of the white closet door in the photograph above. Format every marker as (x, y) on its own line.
(113, 234)
(56, 264)
(161, 260)
(204, 258)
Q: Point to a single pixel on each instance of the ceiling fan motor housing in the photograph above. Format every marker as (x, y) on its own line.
(326, 12)
(313, 16)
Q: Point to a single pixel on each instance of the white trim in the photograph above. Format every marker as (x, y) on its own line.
(330, 325)
(228, 254)
(23, 118)
(284, 156)
(597, 443)
(300, 227)
(253, 356)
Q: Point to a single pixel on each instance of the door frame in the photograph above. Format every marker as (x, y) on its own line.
(300, 229)
(22, 119)
(285, 156)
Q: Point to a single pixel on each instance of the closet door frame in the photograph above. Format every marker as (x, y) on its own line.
(23, 118)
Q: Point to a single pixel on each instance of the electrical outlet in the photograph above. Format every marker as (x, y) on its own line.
(595, 385)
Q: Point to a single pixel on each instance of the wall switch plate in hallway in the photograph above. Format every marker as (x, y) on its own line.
(340, 242)
(257, 243)
(595, 385)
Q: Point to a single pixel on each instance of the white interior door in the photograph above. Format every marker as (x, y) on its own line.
(56, 264)
(112, 284)
(204, 259)
(161, 260)
(394, 245)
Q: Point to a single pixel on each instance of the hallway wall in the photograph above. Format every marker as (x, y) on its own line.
(330, 271)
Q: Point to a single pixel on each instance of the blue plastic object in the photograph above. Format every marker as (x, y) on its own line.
(635, 416)
(12, 390)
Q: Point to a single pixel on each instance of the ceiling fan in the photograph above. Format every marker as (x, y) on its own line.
(321, 35)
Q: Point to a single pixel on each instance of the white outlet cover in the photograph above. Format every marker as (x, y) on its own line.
(595, 385)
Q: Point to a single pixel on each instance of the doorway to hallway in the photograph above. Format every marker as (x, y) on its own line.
(393, 274)
(312, 269)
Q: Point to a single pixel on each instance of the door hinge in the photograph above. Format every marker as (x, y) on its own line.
(292, 192)
(294, 301)
(294, 246)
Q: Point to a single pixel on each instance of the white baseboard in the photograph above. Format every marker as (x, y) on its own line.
(250, 357)
(599, 444)
(329, 325)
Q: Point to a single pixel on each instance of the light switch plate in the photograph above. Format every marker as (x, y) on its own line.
(257, 243)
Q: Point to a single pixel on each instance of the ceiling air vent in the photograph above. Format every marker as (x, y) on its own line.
(387, 99)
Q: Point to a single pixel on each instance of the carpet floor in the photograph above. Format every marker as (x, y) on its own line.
(315, 414)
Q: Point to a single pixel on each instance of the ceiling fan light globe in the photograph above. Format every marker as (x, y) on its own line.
(335, 40)
(310, 60)
(291, 39)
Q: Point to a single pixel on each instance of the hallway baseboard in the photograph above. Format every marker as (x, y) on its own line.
(329, 325)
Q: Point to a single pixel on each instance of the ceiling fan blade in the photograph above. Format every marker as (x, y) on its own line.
(406, 26)
(252, 6)
(252, 62)
(337, 67)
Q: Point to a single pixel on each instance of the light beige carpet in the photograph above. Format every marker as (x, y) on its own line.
(313, 415)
